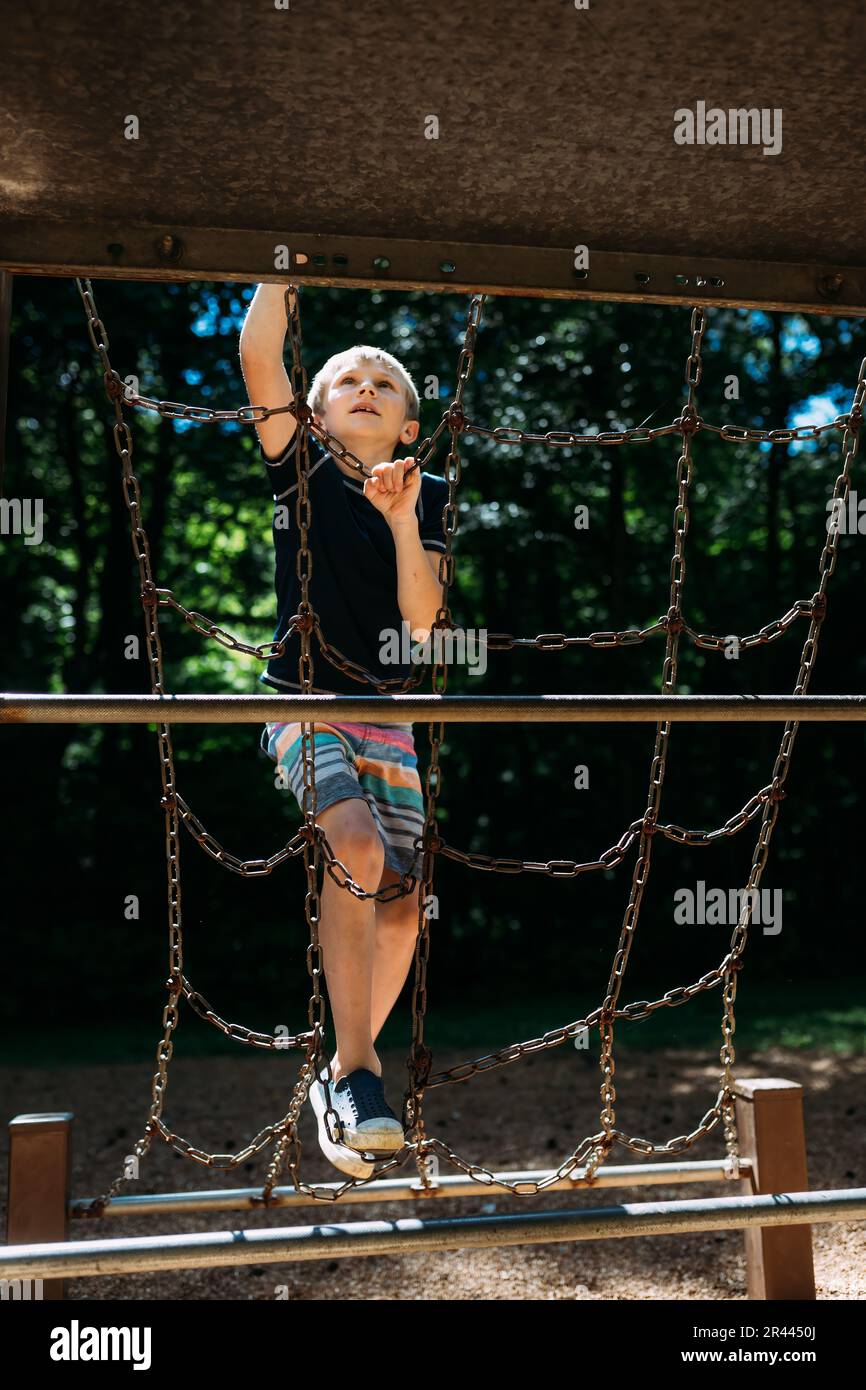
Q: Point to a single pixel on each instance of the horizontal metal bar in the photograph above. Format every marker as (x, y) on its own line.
(21, 708)
(401, 1189)
(284, 1244)
(125, 250)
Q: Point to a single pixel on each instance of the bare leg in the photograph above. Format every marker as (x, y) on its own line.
(396, 934)
(347, 932)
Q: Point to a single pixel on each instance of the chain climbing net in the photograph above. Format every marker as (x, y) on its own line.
(311, 841)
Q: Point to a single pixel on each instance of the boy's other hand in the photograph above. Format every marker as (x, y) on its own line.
(392, 494)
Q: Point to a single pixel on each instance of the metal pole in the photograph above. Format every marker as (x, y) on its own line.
(447, 1187)
(332, 1240)
(37, 708)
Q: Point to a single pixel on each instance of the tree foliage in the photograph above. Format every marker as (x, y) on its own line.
(83, 802)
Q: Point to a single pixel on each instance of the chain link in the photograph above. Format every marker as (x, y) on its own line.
(491, 641)
(501, 434)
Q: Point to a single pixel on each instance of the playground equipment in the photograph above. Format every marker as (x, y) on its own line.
(770, 1113)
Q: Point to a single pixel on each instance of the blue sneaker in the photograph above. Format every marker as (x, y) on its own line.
(369, 1123)
(342, 1157)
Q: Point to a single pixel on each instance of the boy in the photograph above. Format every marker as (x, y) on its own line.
(375, 545)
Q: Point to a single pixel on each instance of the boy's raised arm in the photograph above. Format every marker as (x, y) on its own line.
(261, 345)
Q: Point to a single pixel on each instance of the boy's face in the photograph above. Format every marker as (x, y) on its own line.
(366, 407)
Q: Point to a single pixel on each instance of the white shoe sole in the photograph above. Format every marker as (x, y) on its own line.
(338, 1154)
(384, 1136)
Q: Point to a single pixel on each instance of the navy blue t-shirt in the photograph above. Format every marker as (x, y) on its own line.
(353, 578)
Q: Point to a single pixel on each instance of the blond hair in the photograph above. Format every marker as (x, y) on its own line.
(317, 397)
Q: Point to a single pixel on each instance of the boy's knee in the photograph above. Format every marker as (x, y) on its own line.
(399, 914)
(354, 839)
(402, 919)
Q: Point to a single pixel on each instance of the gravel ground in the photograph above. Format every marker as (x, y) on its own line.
(528, 1115)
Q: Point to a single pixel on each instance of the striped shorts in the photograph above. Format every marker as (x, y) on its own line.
(374, 762)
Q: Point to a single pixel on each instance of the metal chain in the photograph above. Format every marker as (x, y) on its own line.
(254, 414)
(595, 1148)
(642, 434)
(502, 434)
(492, 641)
(598, 1146)
(657, 770)
(826, 567)
(285, 1130)
(555, 868)
(289, 1147)
(420, 1056)
(631, 637)
(310, 839)
(610, 858)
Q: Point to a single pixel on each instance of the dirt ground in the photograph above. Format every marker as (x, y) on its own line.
(527, 1115)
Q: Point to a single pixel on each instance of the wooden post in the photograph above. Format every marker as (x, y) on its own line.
(40, 1150)
(771, 1134)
